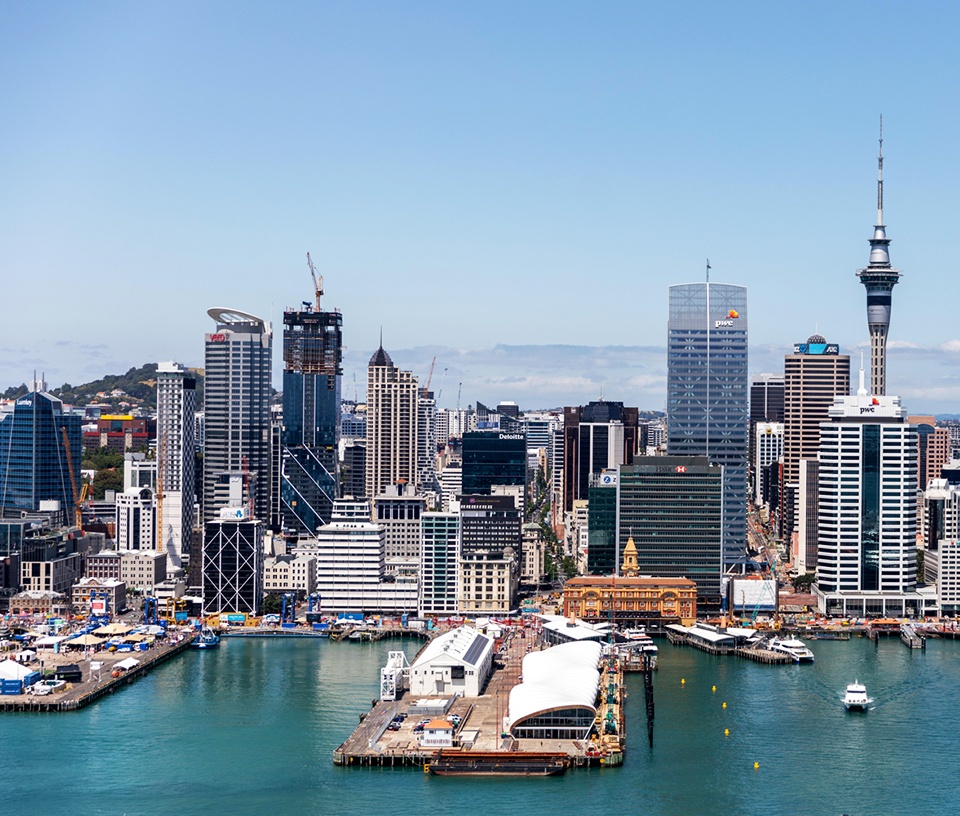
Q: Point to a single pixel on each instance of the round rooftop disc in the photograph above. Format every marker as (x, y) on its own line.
(816, 339)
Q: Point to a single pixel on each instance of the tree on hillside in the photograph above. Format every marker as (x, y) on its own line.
(102, 458)
(107, 479)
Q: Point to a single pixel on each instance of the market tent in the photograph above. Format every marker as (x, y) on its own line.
(11, 670)
(135, 638)
(49, 641)
(86, 640)
(113, 629)
(127, 664)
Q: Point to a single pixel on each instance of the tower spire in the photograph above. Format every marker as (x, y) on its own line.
(879, 278)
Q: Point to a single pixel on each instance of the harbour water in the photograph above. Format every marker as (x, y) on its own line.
(250, 729)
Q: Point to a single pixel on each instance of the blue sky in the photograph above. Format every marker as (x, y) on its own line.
(509, 186)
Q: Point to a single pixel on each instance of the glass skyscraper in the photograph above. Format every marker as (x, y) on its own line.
(33, 459)
(312, 356)
(707, 392)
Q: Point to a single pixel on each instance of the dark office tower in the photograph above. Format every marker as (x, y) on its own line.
(312, 357)
(672, 507)
(879, 278)
(354, 472)
(490, 524)
(814, 375)
(233, 563)
(493, 458)
(766, 405)
(33, 457)
(602, 550)
(237, 397)
(596, 437)
(707, 399)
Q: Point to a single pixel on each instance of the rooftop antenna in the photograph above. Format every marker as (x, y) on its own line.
(708, 270)
(862, 390)
(880, 178)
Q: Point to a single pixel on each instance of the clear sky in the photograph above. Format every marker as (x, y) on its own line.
(510, 186)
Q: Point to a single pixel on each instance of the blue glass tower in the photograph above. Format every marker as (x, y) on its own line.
(312, 355)
(708, 405)
(33, 459)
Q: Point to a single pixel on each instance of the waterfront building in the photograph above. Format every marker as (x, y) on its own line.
(392, 418)
(40, 602)
(814, 375)
(104, 565)
(933, 449)
(112, 592)
(707, 393)
(672, 507)
(233, 563)
(879, 278)
(634, 601)
(176, 457)
(290, 573)
(490, 524)
(351, 565)
(487, 582)
(458, 663)
(237, 395)
(136, 519)
(312, 371)
(51, 560)
(439, 563)
(493, 458)
(33, 455)
(867, 557)
(598, 436)
(143, 570)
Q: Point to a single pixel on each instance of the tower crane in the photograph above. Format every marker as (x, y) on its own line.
(77, 503)
(430, 375)
(317, 281)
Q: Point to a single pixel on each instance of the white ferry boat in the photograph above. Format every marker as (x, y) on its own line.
(793, 647)
(856, 698)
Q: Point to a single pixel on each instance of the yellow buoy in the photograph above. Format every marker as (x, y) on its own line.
(426, 767)
(726, 732)
(756, 766)
(683, 681)
(724, 705)
(714, 688)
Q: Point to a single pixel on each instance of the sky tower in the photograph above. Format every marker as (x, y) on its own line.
(879, 279)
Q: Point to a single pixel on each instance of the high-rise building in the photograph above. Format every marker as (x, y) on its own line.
(672, 507)
(310, 440)
(878, 278)
(603, 554)
(598, 436)
(814, 375)
(427, 443)
(766, 405)
(355, 469)
(493, 458)
(237, 397)
(933, 446)
(867, 558)
(176, 456)
(439, 563)
(399, 510)
(769, 448)
(707, 392)
(233, 563)
(490, 524)
(392, 417)
(33, 456)
(137, 519)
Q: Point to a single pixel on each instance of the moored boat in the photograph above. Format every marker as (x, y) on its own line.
(793, 647)
(207, 639)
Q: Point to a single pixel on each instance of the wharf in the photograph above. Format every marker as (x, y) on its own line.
(97, 683)
(483, 746)
(763, 656)
(911, 637)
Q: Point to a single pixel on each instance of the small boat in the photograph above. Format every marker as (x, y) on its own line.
(856, 698)
(793, 647)
(207, 639)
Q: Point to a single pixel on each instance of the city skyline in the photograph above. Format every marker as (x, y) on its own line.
(498, 172)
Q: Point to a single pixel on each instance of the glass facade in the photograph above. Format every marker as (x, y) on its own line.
(707, 391)
(672, 507)
(493, 458)
(602, 529)
(33, 458)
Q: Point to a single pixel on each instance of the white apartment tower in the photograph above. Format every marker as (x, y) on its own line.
(867, 554)
(176, 452)
(439, 564)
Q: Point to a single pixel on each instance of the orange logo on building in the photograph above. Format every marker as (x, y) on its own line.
(733, 313)
(876, 401)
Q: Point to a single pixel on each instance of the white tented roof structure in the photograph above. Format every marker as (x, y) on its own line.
(559, 678)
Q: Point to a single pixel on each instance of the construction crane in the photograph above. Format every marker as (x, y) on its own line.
(440, 392)
(459, 389)
(317, 280)
(430, 375)
(77, 504)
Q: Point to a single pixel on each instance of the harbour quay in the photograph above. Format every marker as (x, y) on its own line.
(501, 702)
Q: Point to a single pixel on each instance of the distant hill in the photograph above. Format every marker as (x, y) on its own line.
(121, 392)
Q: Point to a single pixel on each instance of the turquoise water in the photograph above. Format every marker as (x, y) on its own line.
(250, 729)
